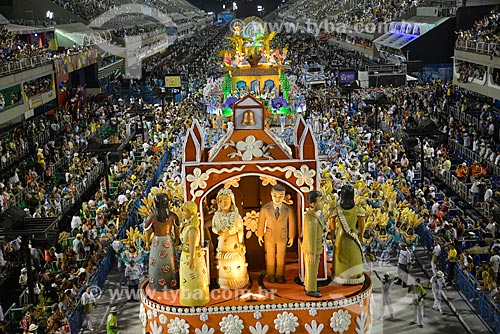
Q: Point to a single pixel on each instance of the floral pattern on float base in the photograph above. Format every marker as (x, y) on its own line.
(259, 329)
(155, 328)
(231, 324)
(142, 316)
(204, 330)
(178, 326)
(314, 328)
(286, 323)
(163, 319)
(340, 321)
(364, 326)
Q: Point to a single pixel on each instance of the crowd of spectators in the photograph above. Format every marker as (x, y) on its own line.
(139, 30)
(376, 11)
(61, 269)
(470, 71)
(485, 30)
(354, 151)
(38, 86)
(13, 48)
(88, 9)
(313, 10)
(350, 13)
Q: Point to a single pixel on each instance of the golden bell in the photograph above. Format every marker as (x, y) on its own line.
(248, 118)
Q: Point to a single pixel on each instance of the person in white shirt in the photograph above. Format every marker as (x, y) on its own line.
(436, 252)
(491, 129)
(488, 194)
(404, 161)
(122, 199)
(87, 301)
(404, 261)
(132, 274)
(387, 283)
(491, 227)
(435, 208)
(437, 282)
(495, 261)
(76, 223)
(475, 144)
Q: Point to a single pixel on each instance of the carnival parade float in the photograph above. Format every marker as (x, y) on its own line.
(231, 185)
(251, 66)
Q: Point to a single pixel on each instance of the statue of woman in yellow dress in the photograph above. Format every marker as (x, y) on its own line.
(228, 225)
(193, 269)
(348, 257)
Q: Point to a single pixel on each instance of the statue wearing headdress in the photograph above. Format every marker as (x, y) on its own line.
(348, 258)
(163, 270)
(228, 225)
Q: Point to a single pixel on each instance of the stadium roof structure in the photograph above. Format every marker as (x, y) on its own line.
(401, 34)
(3, 20)
(24, 30)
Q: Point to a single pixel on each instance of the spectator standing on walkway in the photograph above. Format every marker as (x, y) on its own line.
(111, 322)
(488, 194)
(437, 282)
(436, 252)
(419, 294)
(474, 189)
(495, 263)
(452, 260)
(404, 261)
(87, 302)
(387, 283)
(132, 274)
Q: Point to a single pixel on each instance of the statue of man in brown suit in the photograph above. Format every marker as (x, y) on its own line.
(277, 230)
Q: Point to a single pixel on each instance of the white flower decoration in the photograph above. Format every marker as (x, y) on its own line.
(150, 314)
(286, 322)
(259, 329)
(251, 222)
(340, 321)
(257, 315)
(204, 330)
(314, 328)
(232, 324)
(155, 313)
(143, 316)
(363, 325)
(178, 326)
(305, 176)
(313, 312)
(197, 180)
(155, 328)
(250, 148)
(203, 317)
(163, 319)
